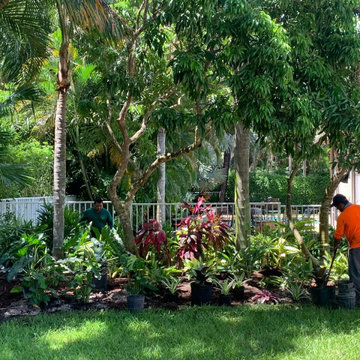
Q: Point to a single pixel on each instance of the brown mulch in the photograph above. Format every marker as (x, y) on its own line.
(115, 297)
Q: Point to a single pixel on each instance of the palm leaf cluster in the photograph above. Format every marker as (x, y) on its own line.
(10, 172)
(24, 28)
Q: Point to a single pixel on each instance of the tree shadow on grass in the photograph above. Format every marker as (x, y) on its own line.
(265, 332)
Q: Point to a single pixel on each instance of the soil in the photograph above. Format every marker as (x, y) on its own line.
(115, 297)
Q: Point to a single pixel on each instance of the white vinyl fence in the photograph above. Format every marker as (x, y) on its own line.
(262, 213)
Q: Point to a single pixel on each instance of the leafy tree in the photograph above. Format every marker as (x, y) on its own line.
(324, 97)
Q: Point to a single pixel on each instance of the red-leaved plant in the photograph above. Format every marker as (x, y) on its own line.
(265, 297)
(152, 234)
(200, 231)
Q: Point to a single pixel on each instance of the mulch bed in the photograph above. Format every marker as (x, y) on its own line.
(115, 297)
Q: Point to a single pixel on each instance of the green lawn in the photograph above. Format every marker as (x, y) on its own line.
(209, 333)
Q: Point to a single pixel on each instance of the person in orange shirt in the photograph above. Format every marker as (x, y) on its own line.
(348, 224)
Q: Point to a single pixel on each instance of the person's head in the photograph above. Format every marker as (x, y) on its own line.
(98, 204)
(339, 201)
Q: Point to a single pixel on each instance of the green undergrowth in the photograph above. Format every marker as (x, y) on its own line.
(257, 332)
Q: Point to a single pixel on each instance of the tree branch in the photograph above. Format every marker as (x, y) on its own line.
(108, 126)
(148, 113)
(162, 159)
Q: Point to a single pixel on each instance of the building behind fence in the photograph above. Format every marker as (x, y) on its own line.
(262, 213)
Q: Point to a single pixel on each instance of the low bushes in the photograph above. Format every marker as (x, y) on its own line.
(203, 248)
(263, 184)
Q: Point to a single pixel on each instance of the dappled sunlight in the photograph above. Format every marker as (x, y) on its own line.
(56, 339)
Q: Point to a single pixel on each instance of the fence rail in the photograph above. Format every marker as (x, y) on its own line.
(262, 213)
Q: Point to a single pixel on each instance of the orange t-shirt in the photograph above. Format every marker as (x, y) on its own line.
(348, 224)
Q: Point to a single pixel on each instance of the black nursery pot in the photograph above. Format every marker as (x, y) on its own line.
(238, 293)
(323, 296)
(345, 286)
(200, 293)
(135, 303)
(225, 300)
(100, 284)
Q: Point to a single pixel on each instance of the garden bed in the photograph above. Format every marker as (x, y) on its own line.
(14, 305)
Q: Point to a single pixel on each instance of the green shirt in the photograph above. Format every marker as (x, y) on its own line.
(99, 219)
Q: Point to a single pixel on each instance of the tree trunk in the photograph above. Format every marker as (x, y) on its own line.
(290, 164)
(297, 235)
(63, 81)
(289, 191)
(161, 148)
(254, 157)
(324, 209)
(226, 167)
(242, 206)
(123, 210)
(270, 161)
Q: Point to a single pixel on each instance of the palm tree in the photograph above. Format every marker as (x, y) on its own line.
(91, 15)
(23, 26)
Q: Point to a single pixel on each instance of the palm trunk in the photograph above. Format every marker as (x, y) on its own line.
(161, 148)
(226, 167)
(324, 210)
(242, 206)
(63, 80)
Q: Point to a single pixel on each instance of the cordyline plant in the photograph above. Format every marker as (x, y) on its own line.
(152, 234)
(201, 230)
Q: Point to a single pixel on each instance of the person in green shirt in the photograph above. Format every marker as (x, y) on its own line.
(98, 216)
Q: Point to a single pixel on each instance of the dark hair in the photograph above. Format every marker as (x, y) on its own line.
(98, 201)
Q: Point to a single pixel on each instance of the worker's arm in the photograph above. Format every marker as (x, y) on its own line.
(110, 221)
(339, 232)
(84, 217)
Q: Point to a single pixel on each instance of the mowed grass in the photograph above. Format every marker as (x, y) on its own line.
(244, 332)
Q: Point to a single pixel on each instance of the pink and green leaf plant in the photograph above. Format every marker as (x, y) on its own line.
(265, 297)
(200, 231)
(152, 234)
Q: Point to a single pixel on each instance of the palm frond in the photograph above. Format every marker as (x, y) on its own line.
(15, 173)
(23, 39)
(95, 15)
(22, 93)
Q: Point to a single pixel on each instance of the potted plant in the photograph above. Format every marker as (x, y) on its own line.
(138, 283)
(323, 294)
(201, 286)
(238, 289)
(200, 236)
(225, 287)
(171, 284)
(100, 279)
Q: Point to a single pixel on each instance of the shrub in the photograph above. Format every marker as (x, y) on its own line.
(11, 231)
(45, 222)
(152, 235)
(306, 189)
(201, 231)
